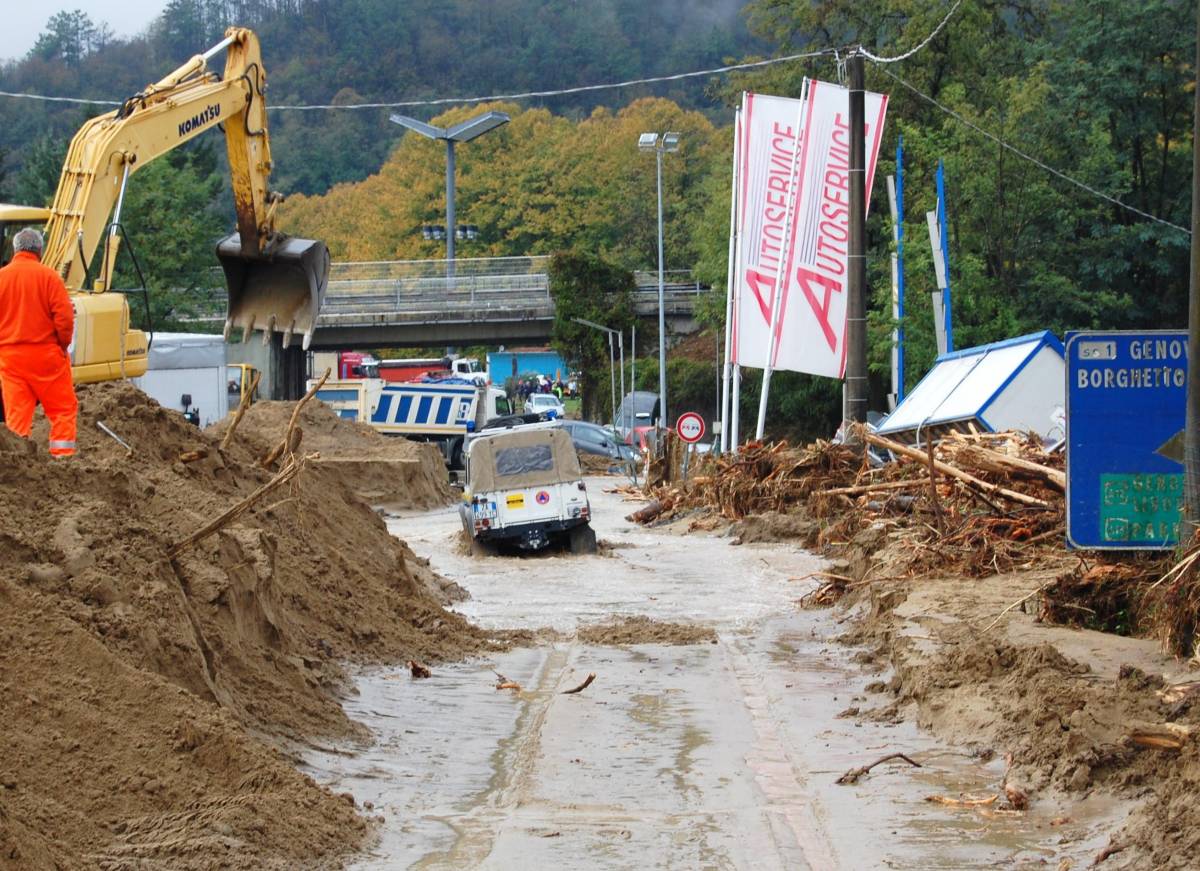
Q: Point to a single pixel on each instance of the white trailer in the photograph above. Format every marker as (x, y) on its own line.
(191, 365)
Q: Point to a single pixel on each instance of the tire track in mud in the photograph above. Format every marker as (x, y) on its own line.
(800, 845)
(513, 765)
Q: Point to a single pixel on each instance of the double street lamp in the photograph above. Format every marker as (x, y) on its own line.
(464, 132)
(611, 362)
(437, 232)
(659, 144)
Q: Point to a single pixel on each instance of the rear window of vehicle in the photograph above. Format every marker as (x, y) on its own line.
(519, 461)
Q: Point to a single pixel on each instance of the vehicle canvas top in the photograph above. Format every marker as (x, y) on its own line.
(530, 458)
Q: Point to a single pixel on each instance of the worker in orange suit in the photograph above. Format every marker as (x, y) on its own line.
(37, 323)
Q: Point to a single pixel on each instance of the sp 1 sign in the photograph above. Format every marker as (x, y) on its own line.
(690, 427)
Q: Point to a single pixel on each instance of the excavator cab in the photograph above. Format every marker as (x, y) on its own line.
(279, 291)
(14, 219)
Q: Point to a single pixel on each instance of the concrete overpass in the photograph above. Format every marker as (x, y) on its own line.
(417, 304)
(487, 301)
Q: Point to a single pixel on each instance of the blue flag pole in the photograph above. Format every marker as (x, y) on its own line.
(943, 230)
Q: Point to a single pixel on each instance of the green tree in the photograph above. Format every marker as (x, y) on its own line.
(38, 179)
(173, 219)
(584, 286)
(70, 37)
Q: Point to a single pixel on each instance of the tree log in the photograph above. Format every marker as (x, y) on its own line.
(954, 472)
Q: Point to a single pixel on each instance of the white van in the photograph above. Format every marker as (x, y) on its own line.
(524, 487)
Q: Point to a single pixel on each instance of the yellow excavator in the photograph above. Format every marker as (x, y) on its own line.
(276, 283)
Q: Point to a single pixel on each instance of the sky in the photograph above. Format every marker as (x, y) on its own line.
(23, 20)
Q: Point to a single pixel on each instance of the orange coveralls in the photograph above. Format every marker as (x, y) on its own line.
(37, 323)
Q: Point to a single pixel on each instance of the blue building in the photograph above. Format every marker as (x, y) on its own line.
(526, 361)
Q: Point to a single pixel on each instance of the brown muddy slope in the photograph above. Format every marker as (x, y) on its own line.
(381, 469)
(1065, 703)
(135, 686)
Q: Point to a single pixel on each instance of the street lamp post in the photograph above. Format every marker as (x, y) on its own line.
(667, 142)
(464, 132)
(610, 332)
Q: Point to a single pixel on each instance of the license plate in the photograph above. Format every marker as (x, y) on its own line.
(515, 500)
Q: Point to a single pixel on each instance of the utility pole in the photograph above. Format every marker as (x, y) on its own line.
(1191, 444)
(856, 318)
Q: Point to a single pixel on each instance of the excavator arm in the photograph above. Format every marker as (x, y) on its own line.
(275, 282)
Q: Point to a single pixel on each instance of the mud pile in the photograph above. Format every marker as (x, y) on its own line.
(381, 469)
(136, 688)
(1077, 712)
(639, 629)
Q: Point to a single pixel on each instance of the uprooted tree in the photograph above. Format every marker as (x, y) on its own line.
(588, 287)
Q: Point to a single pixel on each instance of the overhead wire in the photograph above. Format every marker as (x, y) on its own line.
(525, 95)
(48, 99)
(1029, 157)
(916, 48)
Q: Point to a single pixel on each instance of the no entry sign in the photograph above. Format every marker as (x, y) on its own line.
(1125, 416)
(690, 427)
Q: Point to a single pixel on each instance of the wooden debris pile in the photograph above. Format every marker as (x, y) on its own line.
(1171, 605)
(973, 503)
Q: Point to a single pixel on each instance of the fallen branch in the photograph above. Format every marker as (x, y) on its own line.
(1163, 736)
(954, 472)
(994, 461)
(1178, 692)
(247, 398)
(1019, 601)
(933, 493)
(1111, 850)
(1049, 533)
(854, 774)
(875, 488)
(648, 513)
(290, 441)
(193, 456)
(966, 801)
(287, 473)
(586, 683)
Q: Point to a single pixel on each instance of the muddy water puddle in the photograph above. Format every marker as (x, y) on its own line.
(705, 756)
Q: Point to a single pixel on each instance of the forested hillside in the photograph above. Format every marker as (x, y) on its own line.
(1099, 90)
(350, 51)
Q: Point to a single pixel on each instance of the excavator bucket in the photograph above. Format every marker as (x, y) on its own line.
(281, 291)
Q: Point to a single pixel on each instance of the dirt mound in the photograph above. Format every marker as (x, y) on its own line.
(776, 526)
(381, 469)
(135, 684)
(645, 630)
(1072, 708)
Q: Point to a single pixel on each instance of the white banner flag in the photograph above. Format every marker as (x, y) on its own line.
(766, 181)
(818, 267)
(811, 329)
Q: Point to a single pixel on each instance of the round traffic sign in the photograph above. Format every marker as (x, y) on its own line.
(690, 427)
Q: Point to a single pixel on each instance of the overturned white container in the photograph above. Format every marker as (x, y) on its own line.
(1016, 384)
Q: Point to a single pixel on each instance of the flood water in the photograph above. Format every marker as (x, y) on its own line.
(704, 756)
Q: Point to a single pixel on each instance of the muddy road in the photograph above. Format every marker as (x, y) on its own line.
(719, 753)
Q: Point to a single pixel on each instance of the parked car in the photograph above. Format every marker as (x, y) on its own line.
(638, 408)
(590, 438)
(544, 403)
(524, 487)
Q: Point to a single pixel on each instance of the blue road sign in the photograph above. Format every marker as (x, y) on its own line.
(1126, 402)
